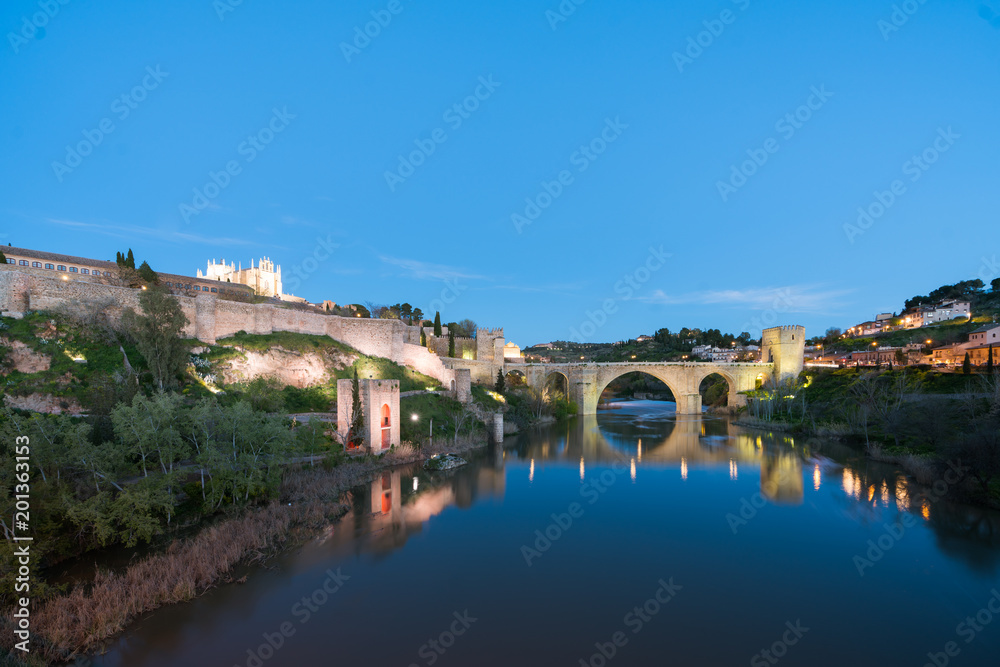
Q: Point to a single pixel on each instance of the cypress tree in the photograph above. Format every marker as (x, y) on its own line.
(989, 360)
(423, 336)
(437, 323)
(501, 384)
(130, 260)
(354, 433)
(967, 365)
(451, 342)
(3, 258)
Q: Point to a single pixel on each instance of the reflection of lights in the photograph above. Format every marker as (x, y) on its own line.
(732, 469)
(849, 486)
(817, 477)
(581, 468)
(416, 483)
(633, 470)
(531, 471)
(885, 493)
(925, 509)
(640, 449)
(871, 493)
(902, 495)
(684, 468)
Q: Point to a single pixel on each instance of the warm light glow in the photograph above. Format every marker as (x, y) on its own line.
(531, 471)
(76, 356)
(733, 472)
(65, 277)
(633, 470)
(885, 494)
(849, 483)
(496, 396)
(416, 482)
(581, 469)
(144, 287)
(817, 477)
(414, 417)
(640, 450)
(925, 509)
(468, 355)
(684, 468)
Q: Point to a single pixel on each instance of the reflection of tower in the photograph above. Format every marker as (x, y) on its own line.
(781, 478)
(784, 347)
(387, 494)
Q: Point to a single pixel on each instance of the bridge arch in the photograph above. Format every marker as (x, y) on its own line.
(611, 374)
(556, 380)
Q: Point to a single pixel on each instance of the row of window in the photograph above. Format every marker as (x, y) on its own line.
(95, 272)
(57, 267)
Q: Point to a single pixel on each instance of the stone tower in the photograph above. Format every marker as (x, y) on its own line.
(784, 346)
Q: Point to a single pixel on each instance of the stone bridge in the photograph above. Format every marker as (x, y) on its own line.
(781, 351)
(585, 382)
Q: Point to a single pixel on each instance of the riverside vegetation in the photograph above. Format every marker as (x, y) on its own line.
(919, 418)
(163, 459)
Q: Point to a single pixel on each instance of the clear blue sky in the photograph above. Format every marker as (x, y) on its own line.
(775, 249)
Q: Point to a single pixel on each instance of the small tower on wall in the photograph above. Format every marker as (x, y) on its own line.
(784, 347)
(380, 407)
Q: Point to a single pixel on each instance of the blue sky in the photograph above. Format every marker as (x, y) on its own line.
(638, 235)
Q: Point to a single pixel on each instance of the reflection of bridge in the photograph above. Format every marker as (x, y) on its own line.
(781, 349)
(691, 442)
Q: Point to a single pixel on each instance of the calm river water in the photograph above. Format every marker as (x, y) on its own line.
(630, 538)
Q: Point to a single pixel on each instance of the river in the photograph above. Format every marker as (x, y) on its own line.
(631, 538)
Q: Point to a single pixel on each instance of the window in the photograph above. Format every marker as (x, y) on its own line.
(86, 271)
(24, 262)
(37, 265)
(169, 284)
(50, 266)
(187, 287)
(72, 269)
(214, 290)
(61, 267)
(11, 261)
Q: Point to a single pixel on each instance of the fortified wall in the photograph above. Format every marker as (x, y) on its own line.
(211, 318)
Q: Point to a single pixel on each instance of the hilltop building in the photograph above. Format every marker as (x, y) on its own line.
(264, 279)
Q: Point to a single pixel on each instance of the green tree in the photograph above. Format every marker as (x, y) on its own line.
(437, 323)
(406, 312)
(355, 434)
(501, 384)
(967, 365)
(423, 336)
(3, 258)
(995, 285)
(146, 273)
(451, 342)
(157, 333)
(418, 315)
(130, 259)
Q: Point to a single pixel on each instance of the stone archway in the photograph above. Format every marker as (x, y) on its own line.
(386, 424)
(604, 382)
(557, 381)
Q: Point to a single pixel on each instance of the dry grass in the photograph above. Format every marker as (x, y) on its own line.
(310, 497)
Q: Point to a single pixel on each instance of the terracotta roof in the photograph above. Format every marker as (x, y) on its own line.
(56, 257)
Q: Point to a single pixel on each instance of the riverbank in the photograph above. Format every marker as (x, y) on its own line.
(311, 498)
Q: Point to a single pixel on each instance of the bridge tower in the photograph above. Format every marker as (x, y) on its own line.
(784, 346)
